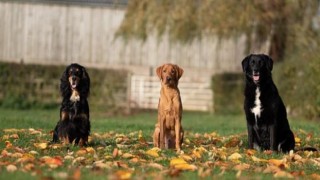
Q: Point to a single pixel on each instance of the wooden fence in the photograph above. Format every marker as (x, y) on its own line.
(196, 93)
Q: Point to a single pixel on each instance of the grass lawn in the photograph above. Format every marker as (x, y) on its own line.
(120, 148)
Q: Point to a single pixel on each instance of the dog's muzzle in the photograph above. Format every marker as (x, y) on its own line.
(256, 77)
(73, 82)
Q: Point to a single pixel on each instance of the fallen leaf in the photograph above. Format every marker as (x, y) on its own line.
(251, 152)
(186, 157)
(282, 174)
(153, 152)
(315, 176)
(52, 162)
(17, 155)
(11, 168)
(181, 164)
(29, 167)
(76, 174)
(233, 142)
(26, 158)
(115, 152)
(281, 163)
(8, 144)
(255, 159)
(123, 174)
(241, 167)
(127, 155)
(41, 145)
(33, 131)
(14, 136)
(90, 150)
(176, 161)
(34, 152)
(81, 152)
(185, 167)
(235, 157)
(156, 165)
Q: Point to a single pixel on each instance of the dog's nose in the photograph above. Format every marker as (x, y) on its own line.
(169, 78)
(73, 78)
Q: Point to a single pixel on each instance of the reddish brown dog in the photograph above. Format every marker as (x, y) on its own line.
(168, 131)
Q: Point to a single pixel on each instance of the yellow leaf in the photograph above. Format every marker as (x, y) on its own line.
(14, 136)
(176, 161)
(90, 150)
(153, 152)
(122, 174)
(282, 174)
(11, 168)
(185, 167)
(127, 155)
(17, 155)
(241, 167)
(108, 157)
(41, 145)
(33, 131)
(67, 157)
(297, 140)
(34, 152)
(12, 130)
(155, 165)
(235, 157)
(279, 163)
(197, 152)
(81, 152)
(135, 160)
(26, 158)
(186, 157)
(56, 146)
(255, 159)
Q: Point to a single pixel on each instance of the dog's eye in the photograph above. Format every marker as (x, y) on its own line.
(164, 70)
(172, 72)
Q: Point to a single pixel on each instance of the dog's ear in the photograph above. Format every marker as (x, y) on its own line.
(64, 83)
(85, 75)
(159, 71)
(179, 71)
(245, 63)
(269, 63)
(86, 81)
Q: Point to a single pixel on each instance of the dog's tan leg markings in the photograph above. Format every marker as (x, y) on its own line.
(64, 115)
(65, 140)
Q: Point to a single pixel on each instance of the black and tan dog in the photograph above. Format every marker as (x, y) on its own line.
(168, 131)
(267, 123)
(74, 124)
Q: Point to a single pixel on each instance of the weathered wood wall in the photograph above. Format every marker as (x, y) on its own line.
(57, 33)
(196, 94)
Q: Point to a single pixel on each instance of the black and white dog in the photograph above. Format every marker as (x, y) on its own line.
(267, 123)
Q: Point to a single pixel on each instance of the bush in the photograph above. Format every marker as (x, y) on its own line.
(228, 92)
(298, 81)
(37, 86)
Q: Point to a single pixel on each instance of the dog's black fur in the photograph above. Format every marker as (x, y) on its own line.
(74, 124)
(268, 126)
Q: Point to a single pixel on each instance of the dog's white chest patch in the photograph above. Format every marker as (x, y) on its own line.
(257, 109)
(75, 96)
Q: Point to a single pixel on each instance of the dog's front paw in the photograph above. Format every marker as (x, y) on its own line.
(179, 151)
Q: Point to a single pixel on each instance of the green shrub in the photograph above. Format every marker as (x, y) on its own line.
(228, 92)
(298, 81)
(37, 86)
